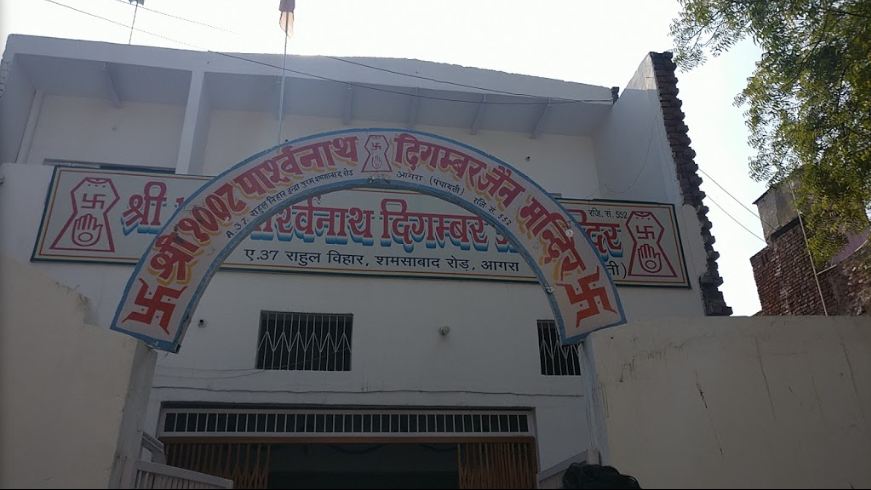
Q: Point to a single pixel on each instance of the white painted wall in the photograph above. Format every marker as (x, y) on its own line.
(490, 358)
(761, 402)
(91, 130)
(634, 161)
(633, 153)
(71, 394)
(561, 164)
(18, 94)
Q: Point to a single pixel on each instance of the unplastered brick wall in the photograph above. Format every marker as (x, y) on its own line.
(847, 285)
(785, 278)
(690, 182)
(784, 275)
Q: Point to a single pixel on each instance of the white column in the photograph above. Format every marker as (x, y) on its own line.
(195, 127)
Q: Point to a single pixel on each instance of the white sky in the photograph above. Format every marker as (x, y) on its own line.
(595, 42)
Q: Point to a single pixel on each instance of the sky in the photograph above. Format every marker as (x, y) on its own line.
(593, 42)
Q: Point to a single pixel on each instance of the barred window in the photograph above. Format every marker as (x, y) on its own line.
(556, 359)
(304, 341)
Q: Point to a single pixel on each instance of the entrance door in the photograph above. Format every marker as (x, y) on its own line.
(435, 464)
(354, 448)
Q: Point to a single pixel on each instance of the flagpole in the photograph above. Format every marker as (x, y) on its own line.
(135, 11)
(286, 8)
(281, 95)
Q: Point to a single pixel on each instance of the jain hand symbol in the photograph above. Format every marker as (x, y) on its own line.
(86, 230)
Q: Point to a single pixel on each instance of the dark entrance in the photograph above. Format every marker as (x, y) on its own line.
(364, 466)
(384, 463)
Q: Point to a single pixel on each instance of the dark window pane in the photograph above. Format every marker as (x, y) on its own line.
(556, 359)
(304, 341)
(169, 423)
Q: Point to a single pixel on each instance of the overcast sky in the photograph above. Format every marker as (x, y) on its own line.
(594, 42)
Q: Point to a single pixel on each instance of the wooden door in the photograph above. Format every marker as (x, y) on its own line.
(497, 465)
(246, 464)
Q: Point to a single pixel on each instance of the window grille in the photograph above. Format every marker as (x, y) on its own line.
(229, 422)
(304, 341)
(556, 359)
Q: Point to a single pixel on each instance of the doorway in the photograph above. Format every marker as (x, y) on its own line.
(436, 463)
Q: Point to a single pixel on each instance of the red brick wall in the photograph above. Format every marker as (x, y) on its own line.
(784, 275)
(785, 279)
(848, 284)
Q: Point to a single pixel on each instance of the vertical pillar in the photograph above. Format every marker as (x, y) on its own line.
(195, 127)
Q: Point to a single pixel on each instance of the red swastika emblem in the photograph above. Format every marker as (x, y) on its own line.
(589, 297)
(154, 304)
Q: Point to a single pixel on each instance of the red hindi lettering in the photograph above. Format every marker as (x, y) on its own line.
(227, 191)
(534, 217)
(498, 183)
(346, 148)
(172, 262)
(143, 210)
(253, 182)
(315, 156)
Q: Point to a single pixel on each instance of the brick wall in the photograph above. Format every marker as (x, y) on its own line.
(847, 286)
(784, 275)
(684, 159)
(785, 278)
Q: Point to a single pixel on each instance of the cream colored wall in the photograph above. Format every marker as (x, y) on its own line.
(67, 406)
(561, 164)
(737, 402)
(91, 130)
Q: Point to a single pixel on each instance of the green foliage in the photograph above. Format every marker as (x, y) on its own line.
(808, 103)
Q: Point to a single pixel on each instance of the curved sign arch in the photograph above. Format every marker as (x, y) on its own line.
(170, 278)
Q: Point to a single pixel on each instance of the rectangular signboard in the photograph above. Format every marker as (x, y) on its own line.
(112, 216)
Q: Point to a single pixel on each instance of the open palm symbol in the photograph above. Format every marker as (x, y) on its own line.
(86, 230)
(651, 260)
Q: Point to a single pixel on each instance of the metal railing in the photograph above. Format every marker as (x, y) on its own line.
(153, 475)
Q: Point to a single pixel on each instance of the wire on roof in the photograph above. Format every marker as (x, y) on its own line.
(178, 17)
(735, 219)
(553, 100)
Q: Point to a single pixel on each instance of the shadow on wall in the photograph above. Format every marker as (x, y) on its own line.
(72, 395)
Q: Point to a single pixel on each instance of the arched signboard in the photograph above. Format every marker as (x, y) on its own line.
(172, 275)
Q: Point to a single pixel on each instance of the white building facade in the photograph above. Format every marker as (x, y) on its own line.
(320, 363)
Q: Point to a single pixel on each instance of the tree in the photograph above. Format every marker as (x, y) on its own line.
(808, 102)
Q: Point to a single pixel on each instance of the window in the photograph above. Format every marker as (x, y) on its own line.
(304, 341)
(556, 359)
(231, 421)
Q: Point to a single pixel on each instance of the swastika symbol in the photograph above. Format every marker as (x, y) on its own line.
(590, 296)
(154, 304)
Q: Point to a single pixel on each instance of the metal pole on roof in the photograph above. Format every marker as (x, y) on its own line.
(133, 24)
(281, 95)
(286, 7)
